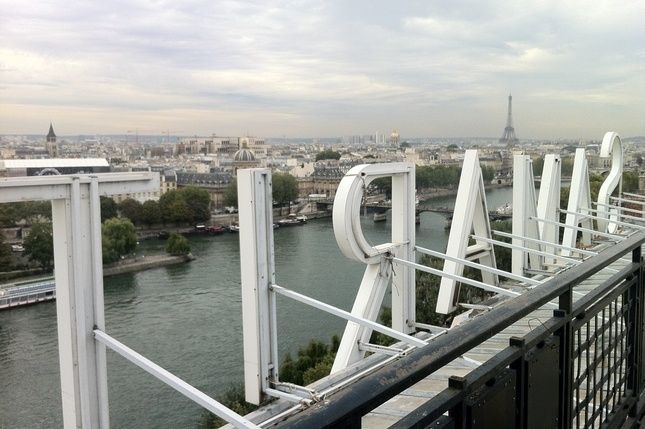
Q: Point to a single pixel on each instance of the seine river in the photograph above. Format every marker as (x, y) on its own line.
(187, 319)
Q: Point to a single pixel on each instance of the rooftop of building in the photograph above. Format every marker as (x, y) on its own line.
(204, 178)
(54, 163)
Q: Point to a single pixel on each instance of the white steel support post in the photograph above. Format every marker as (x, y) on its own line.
(352, 243)
(79, 306)
(403, 231)
(76, 226)
(579, 202)
(99, 305)
(258, 274)
(549, 203)
(524, 208)
(471, 214)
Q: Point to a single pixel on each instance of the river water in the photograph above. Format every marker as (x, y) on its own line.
(187, 319)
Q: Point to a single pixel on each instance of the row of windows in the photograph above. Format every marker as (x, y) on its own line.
(139, 196)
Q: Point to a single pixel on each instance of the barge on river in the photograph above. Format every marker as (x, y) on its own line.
(27, 293)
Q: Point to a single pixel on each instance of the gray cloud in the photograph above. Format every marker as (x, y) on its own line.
(305, 68)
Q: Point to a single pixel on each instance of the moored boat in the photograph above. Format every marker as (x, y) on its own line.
(216, 229)
(199, 229)
(380, 217)
(292, 220)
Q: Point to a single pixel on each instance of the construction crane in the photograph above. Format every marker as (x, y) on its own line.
(136, 132)
(167, 133)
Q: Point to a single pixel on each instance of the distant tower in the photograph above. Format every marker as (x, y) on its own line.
(51, 136)
(394, 138)
(509, 132)
(51, 145)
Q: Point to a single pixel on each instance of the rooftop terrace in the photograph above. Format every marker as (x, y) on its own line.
(559, 343)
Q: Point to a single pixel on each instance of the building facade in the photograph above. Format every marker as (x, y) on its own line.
(214, 183)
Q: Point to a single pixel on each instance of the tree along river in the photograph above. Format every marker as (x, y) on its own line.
(187, 318)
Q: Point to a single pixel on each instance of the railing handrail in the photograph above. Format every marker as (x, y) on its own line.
(369, 392)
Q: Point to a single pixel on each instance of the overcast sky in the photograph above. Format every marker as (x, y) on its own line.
(323, 68)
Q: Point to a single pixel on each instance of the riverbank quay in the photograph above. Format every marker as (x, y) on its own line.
(43, 288)
(127, 265)
(153, 233)
(141, 263)
(223, 219)
(18, 274)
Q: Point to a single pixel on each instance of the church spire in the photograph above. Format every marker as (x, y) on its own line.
(51, 136)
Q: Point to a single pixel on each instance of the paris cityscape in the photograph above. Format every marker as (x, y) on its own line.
(210, 162)
(182, 245)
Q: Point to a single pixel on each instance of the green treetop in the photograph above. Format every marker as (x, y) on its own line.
(6, 256)
(39, 245)
(177, 245)
(230, 194)
(285, 188)
(119, 239)
(185, 205)
(327, 154)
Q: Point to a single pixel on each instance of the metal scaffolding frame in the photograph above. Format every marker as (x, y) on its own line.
(82, 340)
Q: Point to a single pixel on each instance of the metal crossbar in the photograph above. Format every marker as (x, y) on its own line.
(620, 215)
(466, 280)
(408, 339)
(580, 228)
(617, 222)
(173, 381)
(526, 249)
(627, 200)
(629, 194)
(545, 243)
(481, 267)
(622, 209)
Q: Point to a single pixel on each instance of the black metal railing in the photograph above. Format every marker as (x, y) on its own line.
(582, 368)
(601, 347)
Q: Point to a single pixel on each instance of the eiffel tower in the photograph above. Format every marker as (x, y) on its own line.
(509, 132)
